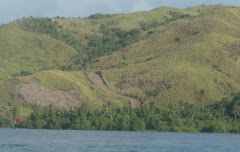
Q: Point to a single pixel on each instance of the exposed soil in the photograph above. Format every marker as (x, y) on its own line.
(40, 95)
(98, 79)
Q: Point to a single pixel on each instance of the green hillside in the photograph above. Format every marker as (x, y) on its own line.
(165, 55)
(188, 57)
(99, 35)
(30, 52)
(44, 87)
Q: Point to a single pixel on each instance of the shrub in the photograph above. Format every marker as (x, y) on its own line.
(25, 73)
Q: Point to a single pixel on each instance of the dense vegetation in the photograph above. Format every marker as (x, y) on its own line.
(220, 117)
(4, 122)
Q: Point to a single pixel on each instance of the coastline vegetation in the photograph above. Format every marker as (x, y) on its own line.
(218, 117)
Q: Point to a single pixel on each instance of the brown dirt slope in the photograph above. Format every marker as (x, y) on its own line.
(40, 95)
(97, 79)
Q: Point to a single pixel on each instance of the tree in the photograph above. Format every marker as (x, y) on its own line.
(14, 112)
(235, 106)
(202, 93)
(177, 39)
(236, 112)
(138, 124)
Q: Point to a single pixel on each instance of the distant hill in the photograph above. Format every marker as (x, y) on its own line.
(166, 55)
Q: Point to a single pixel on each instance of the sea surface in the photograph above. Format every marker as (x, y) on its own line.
(24, 140)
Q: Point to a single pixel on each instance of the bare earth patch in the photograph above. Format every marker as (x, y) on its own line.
(40, 95)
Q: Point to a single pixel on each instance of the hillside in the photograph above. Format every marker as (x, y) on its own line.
(189, 56)
(28, 52)
(165, 55)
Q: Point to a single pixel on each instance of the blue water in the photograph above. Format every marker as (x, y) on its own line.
(21, 140)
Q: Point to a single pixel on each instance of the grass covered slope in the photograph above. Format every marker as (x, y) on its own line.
(194, 60)
(57, 88)
(99, 35)
(155, 58)
(30, 52)
(33, 44)
(166, 55)
(30, 45)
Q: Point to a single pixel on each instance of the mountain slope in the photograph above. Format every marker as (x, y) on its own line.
(57, 88)
(189, 57)
(100, 82)
(30, 52)
(164, 55)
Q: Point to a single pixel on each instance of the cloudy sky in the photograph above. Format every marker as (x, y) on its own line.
(13, 9)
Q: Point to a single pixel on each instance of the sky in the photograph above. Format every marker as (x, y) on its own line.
(13, 9)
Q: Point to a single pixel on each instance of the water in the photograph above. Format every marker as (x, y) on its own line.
(21, 140)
